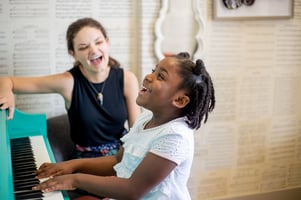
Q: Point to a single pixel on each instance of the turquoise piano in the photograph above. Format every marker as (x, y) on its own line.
(24, 147)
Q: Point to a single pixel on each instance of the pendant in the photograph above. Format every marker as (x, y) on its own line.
(100, 98)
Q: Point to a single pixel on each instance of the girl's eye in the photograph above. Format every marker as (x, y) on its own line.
(160, 76)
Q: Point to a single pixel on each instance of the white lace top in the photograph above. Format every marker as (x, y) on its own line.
(173, 141)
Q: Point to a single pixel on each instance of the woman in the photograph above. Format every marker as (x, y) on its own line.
(99, 95)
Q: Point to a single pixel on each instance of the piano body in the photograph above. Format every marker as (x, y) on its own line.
(32, 127)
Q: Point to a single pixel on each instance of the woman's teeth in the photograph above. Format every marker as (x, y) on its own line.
(96, 59)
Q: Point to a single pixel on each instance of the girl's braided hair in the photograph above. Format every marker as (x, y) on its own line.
(198, 84)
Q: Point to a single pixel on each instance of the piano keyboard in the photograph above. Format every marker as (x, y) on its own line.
(28, 153)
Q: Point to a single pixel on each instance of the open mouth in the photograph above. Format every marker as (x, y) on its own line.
(96, 60)
(144, 89)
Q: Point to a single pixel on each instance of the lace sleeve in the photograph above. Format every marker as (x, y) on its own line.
(172, 147)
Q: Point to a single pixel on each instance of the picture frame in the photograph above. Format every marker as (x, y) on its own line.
(257, 9)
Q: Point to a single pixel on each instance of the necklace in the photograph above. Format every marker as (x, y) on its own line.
(99, 94)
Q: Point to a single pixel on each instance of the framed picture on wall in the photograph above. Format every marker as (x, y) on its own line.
(252, 9)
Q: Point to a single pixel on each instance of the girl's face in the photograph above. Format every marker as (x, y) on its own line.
(91, 49)
(160, 88)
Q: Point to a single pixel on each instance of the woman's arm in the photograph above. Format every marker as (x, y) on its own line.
(131, 90)
(58, 83)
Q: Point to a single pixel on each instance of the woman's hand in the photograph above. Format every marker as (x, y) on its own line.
(64, 182)
(7, 101)
(54, 169)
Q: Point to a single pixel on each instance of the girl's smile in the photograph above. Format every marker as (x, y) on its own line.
(159, 88)
(144, 90)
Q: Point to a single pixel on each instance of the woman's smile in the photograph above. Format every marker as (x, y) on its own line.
(96, 61)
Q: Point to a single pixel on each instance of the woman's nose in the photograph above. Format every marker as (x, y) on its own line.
(93, 48)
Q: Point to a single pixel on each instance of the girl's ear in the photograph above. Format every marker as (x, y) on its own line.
(181, 101)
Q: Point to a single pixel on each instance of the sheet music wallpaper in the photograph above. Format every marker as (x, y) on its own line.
(32, 40)
(252, 142)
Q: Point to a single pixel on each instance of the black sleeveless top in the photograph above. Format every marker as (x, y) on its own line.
(92, 124)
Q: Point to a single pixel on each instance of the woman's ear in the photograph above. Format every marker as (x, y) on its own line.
(181, 101)
(71, 53)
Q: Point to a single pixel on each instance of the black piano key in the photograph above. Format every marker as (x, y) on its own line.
(25, 181)
(28, 194)
(35, 198)
(24, 162)
(27, 186)
(24, 176)
(27, 169)
(21, 150)
(23, 156)
(24, 168)
(18, 186)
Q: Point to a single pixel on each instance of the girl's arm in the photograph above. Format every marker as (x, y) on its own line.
(101, 166)
(151, 171)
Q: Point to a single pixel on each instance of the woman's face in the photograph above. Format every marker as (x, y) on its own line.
(160, 88)
(91, 49)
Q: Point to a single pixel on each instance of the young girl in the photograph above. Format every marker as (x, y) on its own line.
(156, 157)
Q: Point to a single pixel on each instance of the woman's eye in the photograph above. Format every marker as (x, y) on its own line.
(83, 48)
(153, 70)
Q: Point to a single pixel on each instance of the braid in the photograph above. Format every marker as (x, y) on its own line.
(198, 83)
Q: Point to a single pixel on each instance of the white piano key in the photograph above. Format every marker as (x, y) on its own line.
(41, 155)
(39, 150)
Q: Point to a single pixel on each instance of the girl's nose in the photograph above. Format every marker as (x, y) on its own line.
(148, 77)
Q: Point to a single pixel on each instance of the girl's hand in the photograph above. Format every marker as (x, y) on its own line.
(65, 182)
(53, 169)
